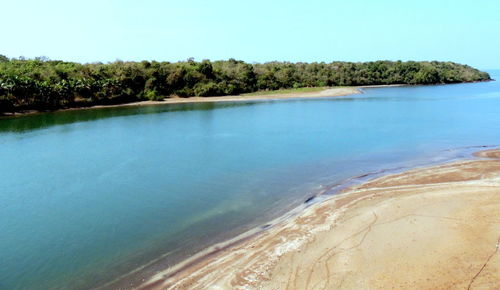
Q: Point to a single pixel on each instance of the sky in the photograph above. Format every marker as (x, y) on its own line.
(463, 31)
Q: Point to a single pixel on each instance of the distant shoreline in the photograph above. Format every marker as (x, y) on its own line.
(257, 96)
(42, 84)
(406, 206)
(328, 92)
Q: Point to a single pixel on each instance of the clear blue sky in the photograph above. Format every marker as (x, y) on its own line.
(255, 31)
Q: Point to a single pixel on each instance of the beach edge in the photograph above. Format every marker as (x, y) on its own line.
(296, 233)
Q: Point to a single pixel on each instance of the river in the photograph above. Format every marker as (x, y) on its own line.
(86, 196)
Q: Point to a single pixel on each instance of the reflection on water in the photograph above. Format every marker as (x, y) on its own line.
(86, 196)
(42, 120)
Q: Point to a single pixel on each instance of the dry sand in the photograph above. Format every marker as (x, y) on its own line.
(427, 228)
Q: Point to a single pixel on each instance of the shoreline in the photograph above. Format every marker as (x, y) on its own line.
(329, 92)
(263, 258)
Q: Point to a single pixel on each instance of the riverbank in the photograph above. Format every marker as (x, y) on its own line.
(433, 227)
(34, 84)
(328, 92)
(271, 95)
(301, 93)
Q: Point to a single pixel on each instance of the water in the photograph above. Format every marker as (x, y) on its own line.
(87, 196)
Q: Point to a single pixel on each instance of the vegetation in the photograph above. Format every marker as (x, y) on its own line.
(42, 84)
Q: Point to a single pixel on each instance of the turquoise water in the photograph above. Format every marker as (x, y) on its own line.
(87, 196)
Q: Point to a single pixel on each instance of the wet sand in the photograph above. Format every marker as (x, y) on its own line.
(436, 227)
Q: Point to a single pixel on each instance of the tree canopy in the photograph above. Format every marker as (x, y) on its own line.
(43, 84)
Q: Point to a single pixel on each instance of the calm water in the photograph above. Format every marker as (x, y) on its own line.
(86, 196)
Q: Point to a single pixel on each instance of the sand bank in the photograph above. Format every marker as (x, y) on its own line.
(435, 227)
(330, 92)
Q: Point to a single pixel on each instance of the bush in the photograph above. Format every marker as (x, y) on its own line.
(206, 89)
(152, 96)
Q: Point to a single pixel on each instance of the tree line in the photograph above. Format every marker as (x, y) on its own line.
(42, 84)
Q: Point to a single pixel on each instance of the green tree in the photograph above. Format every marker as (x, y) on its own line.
(44, 84)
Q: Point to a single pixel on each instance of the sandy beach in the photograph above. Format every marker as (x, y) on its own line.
(427, 228)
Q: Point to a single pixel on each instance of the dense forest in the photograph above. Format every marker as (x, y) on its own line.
(42, 84)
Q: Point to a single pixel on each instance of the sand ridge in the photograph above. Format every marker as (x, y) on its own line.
(434, 227)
